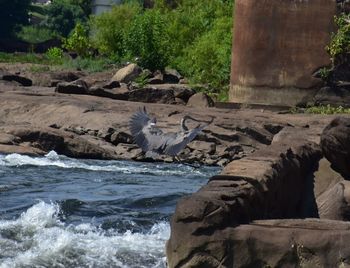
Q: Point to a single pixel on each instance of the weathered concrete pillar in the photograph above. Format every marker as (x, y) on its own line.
(278, 45)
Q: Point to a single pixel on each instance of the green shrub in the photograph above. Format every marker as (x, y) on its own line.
(63, 15)
(340, 41)
(54, 55)
(148, 40)
(208, 59)
(78, 41)
(108, 30)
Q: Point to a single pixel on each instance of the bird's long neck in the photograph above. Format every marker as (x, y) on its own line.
(184, 128)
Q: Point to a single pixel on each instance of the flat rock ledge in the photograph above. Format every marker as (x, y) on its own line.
(274, 208)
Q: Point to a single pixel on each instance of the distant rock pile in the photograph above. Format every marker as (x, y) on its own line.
(131, 83)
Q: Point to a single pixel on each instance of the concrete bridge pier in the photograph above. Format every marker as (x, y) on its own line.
(278, 45)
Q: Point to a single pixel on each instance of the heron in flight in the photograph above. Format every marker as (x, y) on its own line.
(154, 141)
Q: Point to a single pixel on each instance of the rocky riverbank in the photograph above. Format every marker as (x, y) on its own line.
(279, 168)
(86, 116)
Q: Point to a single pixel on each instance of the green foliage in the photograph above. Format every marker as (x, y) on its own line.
(13, 14)
(195, 38)
(325, 72)
(109, 29)
(78, 41)
(63, 15)
(142, 80)
(35, 34)
(208, 59)
(148, 40)
(54, 55)
(328, 109)
(340, 42)
(321, 109)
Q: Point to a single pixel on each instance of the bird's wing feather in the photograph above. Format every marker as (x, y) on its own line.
(174, 146)
(145, 135)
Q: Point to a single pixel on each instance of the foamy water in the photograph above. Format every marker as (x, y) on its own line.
(61, 212)
(39, 239)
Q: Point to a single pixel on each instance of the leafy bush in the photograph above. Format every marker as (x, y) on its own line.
(78, 41)
(108, 30)
(208, 59)
(55, 55)
(63, 15)
(195, 37)
(148, 40)
(340, 41)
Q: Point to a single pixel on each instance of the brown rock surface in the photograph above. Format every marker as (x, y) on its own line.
(274, 182)
(335, 143)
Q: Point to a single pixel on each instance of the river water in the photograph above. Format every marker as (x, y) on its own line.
(61, 212)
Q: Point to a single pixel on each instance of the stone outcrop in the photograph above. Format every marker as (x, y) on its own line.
(335, 143)
(127, 74)
(274, 182)
(273, 59)
(200, 100)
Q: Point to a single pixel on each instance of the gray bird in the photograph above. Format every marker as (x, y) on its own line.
(154, 141)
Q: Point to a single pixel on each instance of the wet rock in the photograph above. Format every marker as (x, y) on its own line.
(335, 144)
(127, 74)
(200, 100)
(75, 87)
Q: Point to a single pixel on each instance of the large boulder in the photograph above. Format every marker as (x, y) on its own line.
(275, 182)
(127, 74)
(75, 87)
(335, 144)
(200, 100)
(335, 96)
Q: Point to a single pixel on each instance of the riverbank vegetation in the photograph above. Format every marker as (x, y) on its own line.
(191, 36)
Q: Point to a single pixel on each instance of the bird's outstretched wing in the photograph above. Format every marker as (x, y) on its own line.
(174, 146)
(145, 135)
